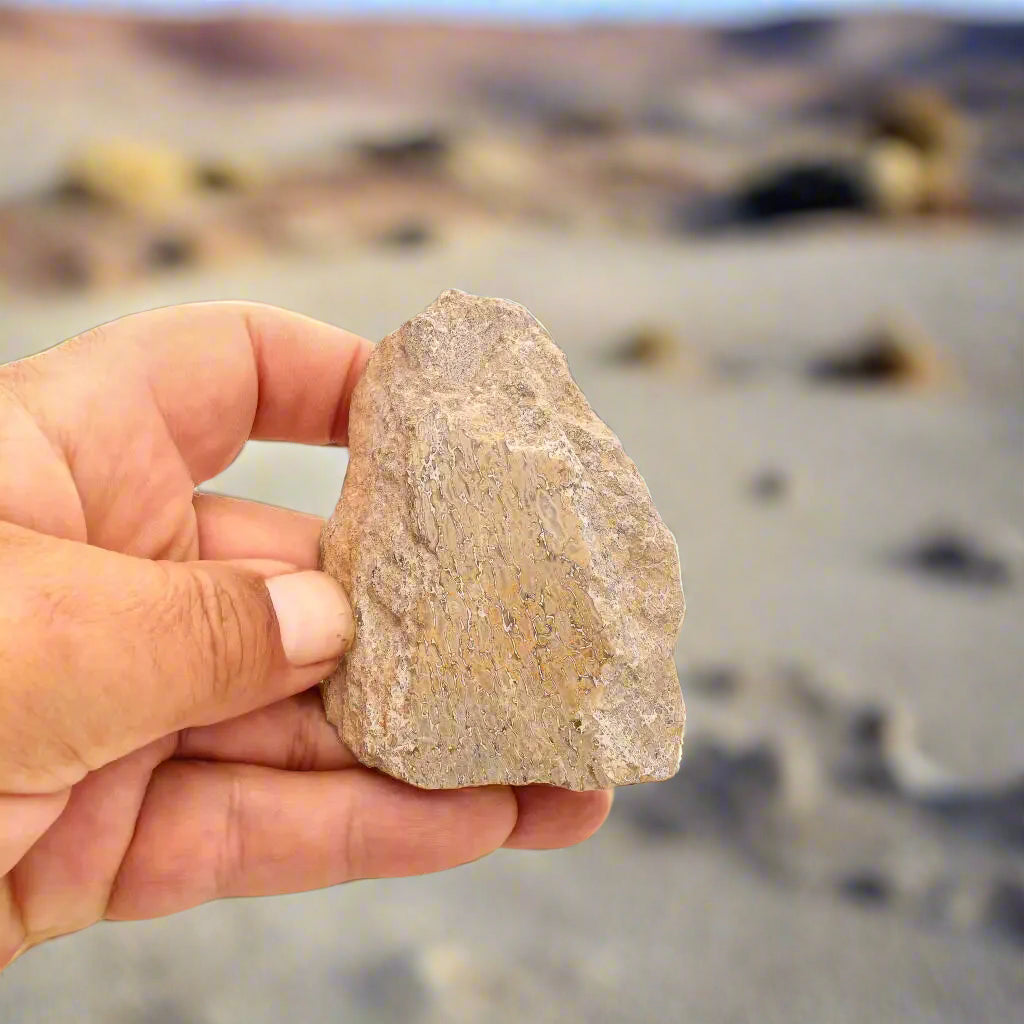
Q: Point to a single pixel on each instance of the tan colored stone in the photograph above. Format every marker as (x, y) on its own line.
(133, 175)
(894, 172)
(517, 596)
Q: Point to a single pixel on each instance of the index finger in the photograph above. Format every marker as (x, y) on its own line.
(221, 373)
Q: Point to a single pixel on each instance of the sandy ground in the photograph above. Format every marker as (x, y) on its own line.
(716, 916)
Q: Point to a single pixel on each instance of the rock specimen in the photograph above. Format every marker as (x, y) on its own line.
(517, 597)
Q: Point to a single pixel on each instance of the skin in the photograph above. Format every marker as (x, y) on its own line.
(158, 749)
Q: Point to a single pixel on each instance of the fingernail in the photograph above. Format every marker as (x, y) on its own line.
(314, 616)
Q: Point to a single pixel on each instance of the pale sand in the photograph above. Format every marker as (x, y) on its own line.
(626, 928)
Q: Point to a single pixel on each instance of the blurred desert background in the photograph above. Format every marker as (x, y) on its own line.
(785, 257)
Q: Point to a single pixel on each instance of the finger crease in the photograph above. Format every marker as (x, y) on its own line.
(230, 862)
(116, 880)
(302, 749)
(353, 844)
(21, 937)
(339, 424)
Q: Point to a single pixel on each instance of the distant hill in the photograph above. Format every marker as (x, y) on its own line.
(235, 80)
(781, 40)
(404, 58)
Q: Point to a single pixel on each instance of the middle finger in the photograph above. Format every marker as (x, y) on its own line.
(231, 528)
(292, 734)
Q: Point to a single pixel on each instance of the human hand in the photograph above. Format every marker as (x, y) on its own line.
(160, 745)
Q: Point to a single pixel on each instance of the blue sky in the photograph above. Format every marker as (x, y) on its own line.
(714, 9)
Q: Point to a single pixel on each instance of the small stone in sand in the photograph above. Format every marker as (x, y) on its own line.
(407, 235)
(417, 151)
(957, 559)
(769, 485)
(921, 117)
(647, 346)
(171, 251)
(793, 190)
(897, 352)
(1005, 911)
(718, 681)
(868, 887)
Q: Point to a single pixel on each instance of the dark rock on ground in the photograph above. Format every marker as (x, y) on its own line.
(416, 151)
(409, 235)
(646, 346)
(955, 558)
(68, 268)
(897, 351)
(1005, 911)
(717, 681)
(171, 251)
(798, 189)
(994, 812)
(718, 788)
(393, 988)
(872, 363)
(583, 122)
(769, 485)
(869, 888)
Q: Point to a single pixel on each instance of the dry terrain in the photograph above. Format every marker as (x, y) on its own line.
(828, 414)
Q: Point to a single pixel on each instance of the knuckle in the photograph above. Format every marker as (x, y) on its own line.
(230, 864)
(355, 861)
(164, 869)
(88, 339)
(14, 377)
(302, 755)
(41, 737)
(230, 647)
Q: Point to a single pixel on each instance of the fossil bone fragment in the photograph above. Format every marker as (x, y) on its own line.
(517, 597)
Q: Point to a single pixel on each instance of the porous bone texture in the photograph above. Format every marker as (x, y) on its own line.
(517, 597)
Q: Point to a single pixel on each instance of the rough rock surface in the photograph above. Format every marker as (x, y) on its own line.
(517, 597)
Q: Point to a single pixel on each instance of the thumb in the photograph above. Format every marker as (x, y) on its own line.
(101, 653)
